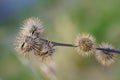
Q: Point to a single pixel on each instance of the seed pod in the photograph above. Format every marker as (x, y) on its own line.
(85, 44)
(29, 39)
(32, 26)
(106, 58)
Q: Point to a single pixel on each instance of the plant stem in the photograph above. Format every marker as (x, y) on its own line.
(71, 45)
(63, 44)
(109, 50)
(58, 44)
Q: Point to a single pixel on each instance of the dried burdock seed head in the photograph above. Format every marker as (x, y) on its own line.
(85, 44)
(29, 39)
(46, 50)
(106, 58)
(32, 26)
(27, 44)
(33, 44)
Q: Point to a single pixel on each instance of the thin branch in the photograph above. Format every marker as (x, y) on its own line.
(58, 44)
(63, 44)
(109, 50)
(71, 45)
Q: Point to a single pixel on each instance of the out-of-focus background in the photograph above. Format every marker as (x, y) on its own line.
(63, 20)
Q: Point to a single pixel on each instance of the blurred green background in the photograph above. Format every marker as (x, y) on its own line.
(63, 20)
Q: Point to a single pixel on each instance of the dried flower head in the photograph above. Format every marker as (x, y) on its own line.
(46, 49)
(32, 26)
(26, 44)
(104, 57)
(85, 44)
(29, 39)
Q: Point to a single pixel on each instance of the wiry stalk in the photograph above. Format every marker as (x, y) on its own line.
(109, 50)
(63, 44)
(58, 44)
(71, 45)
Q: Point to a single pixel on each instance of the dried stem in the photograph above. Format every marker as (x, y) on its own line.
(109, 50)
(71, 45)
(58, 44)
(63, 44)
